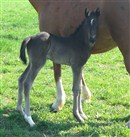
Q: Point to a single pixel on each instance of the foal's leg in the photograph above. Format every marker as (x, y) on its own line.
(77, 108)
(60, 93)
(20, 88)
(85, 91)
(80, 108)
(34, 69)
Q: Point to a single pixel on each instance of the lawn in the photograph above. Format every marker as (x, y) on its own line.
(105, 75)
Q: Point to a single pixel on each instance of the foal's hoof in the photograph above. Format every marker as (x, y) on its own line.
(83, 116)
(29, 120)
(79, 119)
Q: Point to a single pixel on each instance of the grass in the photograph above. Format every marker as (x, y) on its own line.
(105, 75)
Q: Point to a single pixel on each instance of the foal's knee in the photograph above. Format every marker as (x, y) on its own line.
(76, 91)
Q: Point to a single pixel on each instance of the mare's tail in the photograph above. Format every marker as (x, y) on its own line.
(22, 50)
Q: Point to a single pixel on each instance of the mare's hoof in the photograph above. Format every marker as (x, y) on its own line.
(29, 120)
(53, 110)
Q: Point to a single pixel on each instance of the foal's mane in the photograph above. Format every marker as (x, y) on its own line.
(78, 28)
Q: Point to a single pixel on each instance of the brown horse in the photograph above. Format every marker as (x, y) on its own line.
(114, 26)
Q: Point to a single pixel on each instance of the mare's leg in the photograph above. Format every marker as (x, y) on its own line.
(85, 91)
(121, 34)
(124, 47)
(60, 93)
(34, 69)
(20, 88)
(126, 55)
(77, 108)
(127, 60)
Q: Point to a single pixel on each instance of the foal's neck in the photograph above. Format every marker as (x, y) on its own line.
(82, 34)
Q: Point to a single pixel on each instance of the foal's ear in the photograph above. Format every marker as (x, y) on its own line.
(86, 12)
(97, 12)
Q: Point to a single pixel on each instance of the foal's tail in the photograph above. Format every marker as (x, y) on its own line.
(22, 50)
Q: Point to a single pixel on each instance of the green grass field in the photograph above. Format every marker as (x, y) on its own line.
(105, 75)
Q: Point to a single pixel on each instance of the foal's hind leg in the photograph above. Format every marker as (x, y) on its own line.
(20, 88)
(85, 91)
(34, 69)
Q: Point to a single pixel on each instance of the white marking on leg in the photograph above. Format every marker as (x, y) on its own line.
(86, 94)
(60, 96)
(28, 119)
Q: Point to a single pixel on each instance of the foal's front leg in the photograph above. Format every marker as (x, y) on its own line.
(77, 107)
(80, 108)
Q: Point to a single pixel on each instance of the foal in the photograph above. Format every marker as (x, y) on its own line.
(73, 51)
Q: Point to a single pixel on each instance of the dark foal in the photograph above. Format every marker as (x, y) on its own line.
(73, 50)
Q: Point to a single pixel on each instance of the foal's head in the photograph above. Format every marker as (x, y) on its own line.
(92, 24)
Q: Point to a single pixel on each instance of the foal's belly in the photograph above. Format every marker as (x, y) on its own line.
(68, 53)
(59, 58)
(59, 55)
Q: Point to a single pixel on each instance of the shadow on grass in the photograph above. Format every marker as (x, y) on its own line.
(11, 119)
(126, 119)
(10, 37)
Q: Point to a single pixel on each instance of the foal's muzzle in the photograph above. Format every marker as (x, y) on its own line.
(92, 39)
